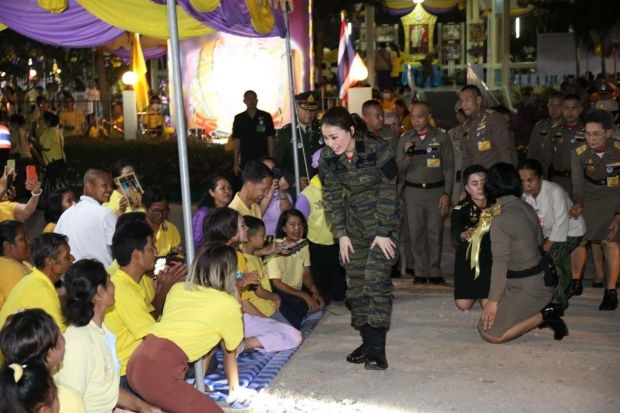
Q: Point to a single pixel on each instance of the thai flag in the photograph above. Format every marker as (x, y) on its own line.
(346, 55)
(5, 137)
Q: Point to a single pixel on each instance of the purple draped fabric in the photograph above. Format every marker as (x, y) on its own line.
(74, 27)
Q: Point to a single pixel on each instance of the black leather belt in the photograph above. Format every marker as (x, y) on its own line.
(563, 174)
(594, 181)
(426, 186)
(537, 270)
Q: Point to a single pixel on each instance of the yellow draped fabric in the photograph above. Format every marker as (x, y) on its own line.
(138, 66)
(2, 27)
(53, 6)
(144, 17)
(440, 4)
(483, 226)
(261, 16)
(205, 5)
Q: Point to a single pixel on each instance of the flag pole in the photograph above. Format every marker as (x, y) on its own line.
(291, 80)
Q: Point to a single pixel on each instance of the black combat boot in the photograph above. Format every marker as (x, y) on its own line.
(610, 300)
(551, 318)
(358, 356)
(574, 288)
(375, 360)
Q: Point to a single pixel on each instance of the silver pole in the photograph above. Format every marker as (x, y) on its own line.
(289, 62)
(175, 59)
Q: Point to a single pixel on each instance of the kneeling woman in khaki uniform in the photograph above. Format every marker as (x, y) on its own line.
(518, 299)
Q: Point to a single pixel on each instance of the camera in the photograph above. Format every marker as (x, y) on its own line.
(411, 150)
(277, 172)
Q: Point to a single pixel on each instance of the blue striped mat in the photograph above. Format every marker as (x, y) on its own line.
(256, 369)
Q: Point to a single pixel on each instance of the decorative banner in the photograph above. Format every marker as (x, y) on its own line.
(419, 28)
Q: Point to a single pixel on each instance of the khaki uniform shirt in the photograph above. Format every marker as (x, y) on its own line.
(558, 146)
(487, 140)
(515, 238)
(538, 138)
(435, 165)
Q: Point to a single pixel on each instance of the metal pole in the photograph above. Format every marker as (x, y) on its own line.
(175, 59)
(291, 83)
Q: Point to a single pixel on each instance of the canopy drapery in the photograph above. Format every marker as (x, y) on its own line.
(400, 8)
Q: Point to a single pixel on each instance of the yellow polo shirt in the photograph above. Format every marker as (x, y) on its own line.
(238, 205)
(242, 266)
(89, 368)
(50, 227)
(52, 140)
(129, 318)
(264, 306)
(11, 273)
(69, 399)
(146, 284)
(7, 210)
(197, 320)
(74, 119)
(34, 291)
(167, 240)
(115, 203)
(289, 269)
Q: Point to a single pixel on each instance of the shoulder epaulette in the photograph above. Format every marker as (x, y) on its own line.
(442, 130)
(490, 111)
(457, 207)
(539, 121)
(582, 148)
(617, 145)
(496, 210)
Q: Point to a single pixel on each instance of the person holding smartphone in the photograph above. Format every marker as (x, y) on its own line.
(15, 210)
(277, 200)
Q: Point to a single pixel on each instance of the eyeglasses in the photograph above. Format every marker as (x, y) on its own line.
(158, 212)
(595, 134)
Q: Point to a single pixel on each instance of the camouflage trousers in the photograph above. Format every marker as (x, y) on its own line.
(561, 253)
(369, 285)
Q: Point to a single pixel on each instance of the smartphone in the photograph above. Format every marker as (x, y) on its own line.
(277, 172)
(31, 173)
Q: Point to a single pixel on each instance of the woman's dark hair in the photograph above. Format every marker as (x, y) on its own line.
(531, 164)
(207, 200)
(473, 169)
(28, 336)
(502, 180)
(129, 217)
(284, 216)
(81, 282)
(394, 48)
(116, 169)
(46, 246)
(401, 104)
(34, 389)
(19, 120)
(53, 209)
(129, 237)
(340, 117)
(220, 224)
(51, 119)
(8, 232)
(154, 194)
(253, 224)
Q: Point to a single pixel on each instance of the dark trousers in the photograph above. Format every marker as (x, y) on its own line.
(294, 309)
(326, 270)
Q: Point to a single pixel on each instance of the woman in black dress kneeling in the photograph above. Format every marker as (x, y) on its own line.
(465, 217)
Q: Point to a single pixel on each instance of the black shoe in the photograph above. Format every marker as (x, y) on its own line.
(597, 285)
(437, 280)
(420, 280)
(376, 360)
(574, 288)
(358, 356)
(395, 274)
(410, 271)
(610, 300)
(551, 319)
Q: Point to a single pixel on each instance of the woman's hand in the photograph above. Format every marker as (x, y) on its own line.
(318, 297)
(313, 305)
(386, 245)
(251, 277)
(147, 408)
(467, 234)
(240, 395)
(613, 228)
(123, 204)
(345, 247)
(488, 315)
(284, 186)
(575, 211)
(277, 301)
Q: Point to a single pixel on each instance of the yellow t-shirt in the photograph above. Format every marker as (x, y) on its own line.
(147, 285)
(129, 318)
(289, 269)
(70, 400)
(197, 320)
(242, 266)
(89, 367)
(72, 120)
(34, 291)
(238, 205)
(264, 306)
(54, 142)
(7, 210)
(115, 203)
(167, 240)
(11, 273)
(50, 227)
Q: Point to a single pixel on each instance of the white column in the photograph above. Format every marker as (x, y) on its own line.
(130, 115)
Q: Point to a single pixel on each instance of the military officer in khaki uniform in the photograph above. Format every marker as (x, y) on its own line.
(568, 135)
(487, 140)
(595, 176)
(425, 162)
(546, 127)
(374, 116)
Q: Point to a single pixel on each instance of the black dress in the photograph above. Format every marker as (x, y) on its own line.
(465, 216)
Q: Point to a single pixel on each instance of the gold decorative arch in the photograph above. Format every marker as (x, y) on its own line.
(419, 28)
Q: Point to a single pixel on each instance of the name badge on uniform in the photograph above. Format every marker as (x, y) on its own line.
(260, 128)
(610, 169)
(612, 181)
(572, 140)
(484, 146)
(433, 163)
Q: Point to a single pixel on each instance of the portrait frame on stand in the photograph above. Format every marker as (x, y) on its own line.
(419, 27)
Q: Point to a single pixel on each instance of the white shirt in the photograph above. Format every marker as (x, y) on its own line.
(552, 205)
(89, 227)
